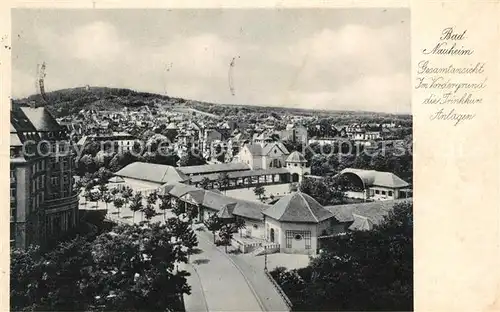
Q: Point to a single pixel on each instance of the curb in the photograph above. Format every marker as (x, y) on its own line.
(201, 286)
(259, 301)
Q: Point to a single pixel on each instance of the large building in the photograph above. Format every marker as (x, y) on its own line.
(375, 185)
(44, 206)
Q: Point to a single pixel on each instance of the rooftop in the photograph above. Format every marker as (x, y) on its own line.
(377, 178)
(41, 119)
(296, 157)
(152, 173)
(372, 212)
(298, 207)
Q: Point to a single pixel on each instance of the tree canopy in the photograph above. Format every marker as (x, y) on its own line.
(132, 267)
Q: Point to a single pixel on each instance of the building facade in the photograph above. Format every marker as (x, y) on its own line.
(44, 205)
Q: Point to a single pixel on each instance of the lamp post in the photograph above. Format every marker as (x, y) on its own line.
(265, 258)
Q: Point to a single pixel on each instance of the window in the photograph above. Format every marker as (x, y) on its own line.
(298, 237)
(377, 192)
(383, 192)
(289, 236)
(390, 193)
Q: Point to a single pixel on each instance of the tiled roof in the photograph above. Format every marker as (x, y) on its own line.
(298, 207)
(152, 172)
(215, 200)
(374, 211)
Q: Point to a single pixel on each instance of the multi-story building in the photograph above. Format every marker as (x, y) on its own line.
(44, 206)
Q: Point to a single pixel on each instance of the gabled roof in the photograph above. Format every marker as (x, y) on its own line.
(227, 211)
(254, 149)
(298, 207)
(269, 146)
(152, 173)
(361, 223)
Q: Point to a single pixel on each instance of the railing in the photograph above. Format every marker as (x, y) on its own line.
(287, 300)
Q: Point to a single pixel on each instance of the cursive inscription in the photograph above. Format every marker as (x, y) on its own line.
(454, 89)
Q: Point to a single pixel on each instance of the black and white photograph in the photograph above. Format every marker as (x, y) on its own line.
(211, 159)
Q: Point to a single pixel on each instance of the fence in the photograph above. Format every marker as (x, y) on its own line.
(280, 291)
(245, 247)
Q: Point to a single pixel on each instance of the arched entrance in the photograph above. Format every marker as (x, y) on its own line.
(271, 235)
(295, 177)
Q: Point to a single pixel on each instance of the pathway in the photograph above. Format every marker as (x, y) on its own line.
(225, 288)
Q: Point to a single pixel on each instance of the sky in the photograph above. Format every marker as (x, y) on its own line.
(332, 59)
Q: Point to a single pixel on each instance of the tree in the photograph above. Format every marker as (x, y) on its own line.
(238, 225)
(223, 180)
(136, 204)
(226, 234)
(213, 224)
(51, 281)
(95, 196)
(259, 191)
(179, 207)
(86, 195)
(165, 205)
(205, 183)
(149, 212)
(183, 236)
(192, 212)
(107, 198)
(114, 192)
(140, 273)
(152, 198)
(127, 194)
(118, 203)
(190, 159)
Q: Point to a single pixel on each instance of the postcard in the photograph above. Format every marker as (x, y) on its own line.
(251, 156)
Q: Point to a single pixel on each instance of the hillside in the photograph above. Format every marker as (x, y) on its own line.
(70, 101)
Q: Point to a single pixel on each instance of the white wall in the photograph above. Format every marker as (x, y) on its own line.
(139, 185)
(254, 228)
(380, 196)
(298, 246)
